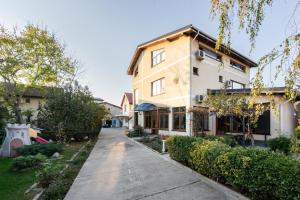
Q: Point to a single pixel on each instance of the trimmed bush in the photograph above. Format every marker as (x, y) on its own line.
(48, 174)
(137, 132)
(27, 162)
(179, 147)
(281, 144)
(203, 157)
(45, 149)
(261, 174)
(225, 139)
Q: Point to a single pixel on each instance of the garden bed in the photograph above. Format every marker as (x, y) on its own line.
(15, 183)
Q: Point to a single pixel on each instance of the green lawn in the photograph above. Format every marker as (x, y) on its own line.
(14, 184)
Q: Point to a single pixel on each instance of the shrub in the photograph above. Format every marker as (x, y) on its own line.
(45, 149)
(179, 147)
(261, 174)
(137, 132)
(281, 144)
(57, 189)
(27, 162)
(203, 157)
(48, 174)
(225, 139)
(295, 146)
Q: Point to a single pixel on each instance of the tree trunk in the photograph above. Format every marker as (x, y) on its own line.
(17, 110)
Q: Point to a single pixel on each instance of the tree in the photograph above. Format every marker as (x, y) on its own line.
(31, 58)
(236, 105)
(70, 112)
(250, 15)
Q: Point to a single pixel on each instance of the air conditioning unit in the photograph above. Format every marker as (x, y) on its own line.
(227, 84)
(199, 98)
(200, 54)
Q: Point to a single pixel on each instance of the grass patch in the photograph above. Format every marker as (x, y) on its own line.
(14, 184)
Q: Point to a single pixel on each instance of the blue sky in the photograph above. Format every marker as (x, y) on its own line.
(103, 34)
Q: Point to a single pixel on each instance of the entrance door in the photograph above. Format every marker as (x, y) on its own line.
(15, 143)
(136, 119)
(154, 122)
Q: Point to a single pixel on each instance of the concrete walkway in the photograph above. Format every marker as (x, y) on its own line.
(119, 168)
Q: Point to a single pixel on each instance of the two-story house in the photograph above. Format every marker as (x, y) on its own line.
(173, 72)
(127, 110)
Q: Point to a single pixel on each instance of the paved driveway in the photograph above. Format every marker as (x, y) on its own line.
(119, 168)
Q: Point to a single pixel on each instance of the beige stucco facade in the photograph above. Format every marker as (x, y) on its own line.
(182, 85)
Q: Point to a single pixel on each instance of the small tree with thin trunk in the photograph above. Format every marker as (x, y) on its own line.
(31, 58)
(238, 105)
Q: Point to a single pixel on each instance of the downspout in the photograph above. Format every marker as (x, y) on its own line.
(281, 115)
(190, 96)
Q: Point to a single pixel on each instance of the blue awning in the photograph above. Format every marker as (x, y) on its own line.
(145, 107)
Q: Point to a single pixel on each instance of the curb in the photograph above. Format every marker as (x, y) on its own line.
(229, 193)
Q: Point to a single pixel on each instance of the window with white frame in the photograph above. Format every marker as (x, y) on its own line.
(158, 56)
(158, 87)
(236, 85)
(237, 66)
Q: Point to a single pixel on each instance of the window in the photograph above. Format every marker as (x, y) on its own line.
(163, 118)
(179, 119)
(136, 96)
(236, 85)
(200, 119)
(147, 119)
(195, 71)
(237, 66)
(27, 100)
(136, 72)
(125, 108)
(158, 87)
(221, 79)
(211, 54)
(158, 56)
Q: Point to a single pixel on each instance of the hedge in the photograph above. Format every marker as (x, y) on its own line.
(282, 144)
(180, 146)
(27, 162)
(45, 149)
(258, 173)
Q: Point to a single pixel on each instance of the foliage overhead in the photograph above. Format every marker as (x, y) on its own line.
(32, 57)
(250, 14)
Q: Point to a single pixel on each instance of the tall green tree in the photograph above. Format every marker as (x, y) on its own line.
(70, 111)
(29, 58)
(249, 14)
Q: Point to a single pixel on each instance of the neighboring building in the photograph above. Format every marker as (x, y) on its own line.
(111, 119)
(280, 120)
(127, 110)
(172, 73)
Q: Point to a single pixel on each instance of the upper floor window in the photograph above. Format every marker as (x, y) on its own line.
(195, 71)
(236, 85)
(158, 87)
(211, 54)
(136, 72)
(158, 56)
(237, 66)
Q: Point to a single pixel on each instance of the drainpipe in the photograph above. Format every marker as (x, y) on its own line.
(281, 115)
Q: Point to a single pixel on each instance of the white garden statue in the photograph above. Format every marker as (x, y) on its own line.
(17, 135)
